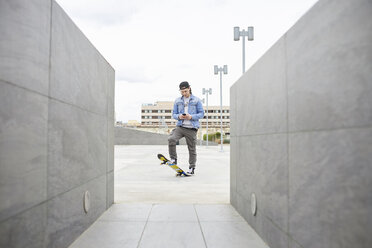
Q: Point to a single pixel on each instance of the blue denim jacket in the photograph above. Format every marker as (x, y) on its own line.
(195, 110)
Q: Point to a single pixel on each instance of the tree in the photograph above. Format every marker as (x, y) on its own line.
(218, 135)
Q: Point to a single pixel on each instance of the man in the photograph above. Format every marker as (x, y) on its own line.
(187, 109)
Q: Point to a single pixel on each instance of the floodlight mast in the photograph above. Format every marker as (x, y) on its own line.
(243, 33)
(207, 92)
(220, 70)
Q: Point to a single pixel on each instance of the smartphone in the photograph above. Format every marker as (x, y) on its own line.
(184, 114)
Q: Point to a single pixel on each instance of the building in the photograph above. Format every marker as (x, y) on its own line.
(129, 124)
(157, 117)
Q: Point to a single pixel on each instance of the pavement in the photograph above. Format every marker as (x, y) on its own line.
(154, 208)
(139, 177)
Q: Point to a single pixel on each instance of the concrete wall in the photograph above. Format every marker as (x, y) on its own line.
(301, 132)
(56, 126)
(128, 136)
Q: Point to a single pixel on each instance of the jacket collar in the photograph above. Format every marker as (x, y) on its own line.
(191, 97)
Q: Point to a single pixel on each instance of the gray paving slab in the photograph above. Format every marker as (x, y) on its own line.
(231, 234)
(217, 212)
(127, 212)
(172, 235)
(173, 212)
(111, 234)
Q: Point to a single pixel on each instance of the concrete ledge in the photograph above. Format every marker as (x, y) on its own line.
(127, 136)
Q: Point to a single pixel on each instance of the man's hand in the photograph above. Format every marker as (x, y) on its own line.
(185, 117)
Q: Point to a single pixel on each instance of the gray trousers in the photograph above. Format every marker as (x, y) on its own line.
(190, 136)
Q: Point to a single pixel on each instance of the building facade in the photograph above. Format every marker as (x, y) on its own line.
(157, 117)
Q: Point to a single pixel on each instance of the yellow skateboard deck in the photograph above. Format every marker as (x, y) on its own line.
(166, 161)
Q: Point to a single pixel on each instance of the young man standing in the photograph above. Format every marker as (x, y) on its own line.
(187, 109)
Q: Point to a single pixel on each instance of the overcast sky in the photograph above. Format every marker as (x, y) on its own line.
(154, 45)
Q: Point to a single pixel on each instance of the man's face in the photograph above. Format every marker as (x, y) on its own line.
(185, 92)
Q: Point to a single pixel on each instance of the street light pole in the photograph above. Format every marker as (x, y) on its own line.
(243, 55)
(207, 92)
(243, 33)
(220, 70)
(201, 128)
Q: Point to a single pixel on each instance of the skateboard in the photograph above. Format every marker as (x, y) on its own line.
(166, 161)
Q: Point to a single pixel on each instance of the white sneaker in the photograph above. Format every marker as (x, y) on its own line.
(191, 171)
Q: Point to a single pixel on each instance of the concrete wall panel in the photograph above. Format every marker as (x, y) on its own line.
(234, 159)
(243, 206)
(78, 72)
(313, 180)
(262, 169)
(111, 144)
(77, 147)
(330, 179)
(234, 199)
(25, 43)
(234, 141)
(110, 92)
(23, 149)
(233, 110)
(66, 216)
(56, 102)
(261, 94)
(329, 67)
(110, 188)
(25, 230)
(272, 235)
(293, 244)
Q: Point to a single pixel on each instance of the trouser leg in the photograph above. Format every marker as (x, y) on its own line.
(173, 138)
(190, 136)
